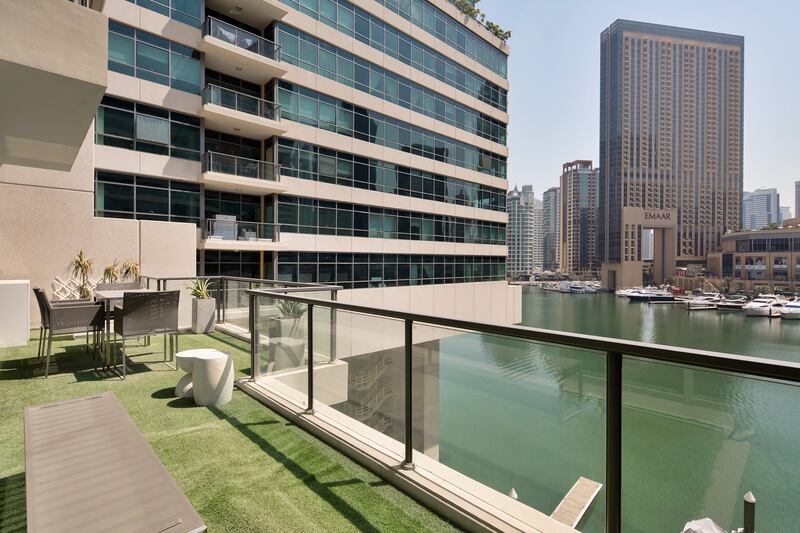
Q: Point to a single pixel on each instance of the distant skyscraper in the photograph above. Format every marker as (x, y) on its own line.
(671, 105)
(797, 198)
(760, 208)
(786, 212)
(551, 228)
(524, 232)
(579, 210)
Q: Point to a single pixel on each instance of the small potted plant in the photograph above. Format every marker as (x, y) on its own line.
(204, 307)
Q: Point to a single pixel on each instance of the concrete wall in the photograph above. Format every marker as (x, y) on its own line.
(53, 69)
(47, 216)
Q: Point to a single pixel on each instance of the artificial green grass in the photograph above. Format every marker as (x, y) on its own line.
(243, 467)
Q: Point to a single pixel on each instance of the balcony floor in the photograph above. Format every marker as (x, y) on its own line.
(243, 467)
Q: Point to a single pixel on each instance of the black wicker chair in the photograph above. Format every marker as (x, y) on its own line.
(148, 313)
(44, 321)
(75, 317)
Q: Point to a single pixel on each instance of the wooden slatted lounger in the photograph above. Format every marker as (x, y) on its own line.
(89, 469)
(577, 501)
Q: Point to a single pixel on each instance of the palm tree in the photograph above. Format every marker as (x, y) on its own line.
(82, 267)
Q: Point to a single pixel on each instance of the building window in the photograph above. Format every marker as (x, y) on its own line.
(310, 53)
(780, 268)
(356, 23)
(153, 58)
(242, 206)
(320, 217)
(307, 161)
(144, 128)
(186, 11)
(353, 271)
(144, 198)
(235, 264)
(309, 107)
(441, 25)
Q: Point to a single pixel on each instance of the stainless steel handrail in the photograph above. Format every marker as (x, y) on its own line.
(240, 166)
(241, 38)
(246, 103)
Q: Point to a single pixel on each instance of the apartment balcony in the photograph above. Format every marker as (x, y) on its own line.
(239, 53)
(240, 114)
(53, 64)
(230, 173)
(239, 236)
(256, 13)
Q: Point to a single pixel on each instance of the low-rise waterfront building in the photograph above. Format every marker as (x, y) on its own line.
(760, 257)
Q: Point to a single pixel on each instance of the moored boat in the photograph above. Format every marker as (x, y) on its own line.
(767, 305)
(791, 310)
(732, 303)
(705, 301)
(651, 295)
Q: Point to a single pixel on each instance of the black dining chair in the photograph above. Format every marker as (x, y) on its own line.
(44, 325)
(75, 317)
(148, 313)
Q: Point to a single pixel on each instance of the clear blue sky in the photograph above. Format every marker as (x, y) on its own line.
(554, 72)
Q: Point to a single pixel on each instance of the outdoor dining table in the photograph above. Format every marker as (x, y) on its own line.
(111, 299)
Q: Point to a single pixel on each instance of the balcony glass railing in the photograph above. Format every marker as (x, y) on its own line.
(241, 166)
(241, 38)
(534, 410)
(237, 230)
(214, 94)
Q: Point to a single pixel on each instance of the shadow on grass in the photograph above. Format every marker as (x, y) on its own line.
(12, 504)
(323, 490)
(163, 394)
(64, 359)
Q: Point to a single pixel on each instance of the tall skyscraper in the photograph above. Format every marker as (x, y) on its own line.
(761, 208)
(579, 209)
(551, 228)
(333, 142)
(524, 235)
(797, 198)
(786, 213)
(671, 113)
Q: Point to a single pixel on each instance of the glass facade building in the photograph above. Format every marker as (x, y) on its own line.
(411, 149)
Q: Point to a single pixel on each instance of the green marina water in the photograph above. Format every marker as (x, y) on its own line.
(530, 416)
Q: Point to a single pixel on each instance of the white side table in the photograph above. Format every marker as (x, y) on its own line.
(209, 377)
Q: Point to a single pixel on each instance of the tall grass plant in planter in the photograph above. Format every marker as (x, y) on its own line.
(204, 307)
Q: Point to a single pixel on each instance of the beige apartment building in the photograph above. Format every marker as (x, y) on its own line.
(671, 118)
(349, 142)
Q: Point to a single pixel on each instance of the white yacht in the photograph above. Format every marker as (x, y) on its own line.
(791, 310)
(768, 305)
(651, 294)
(706, 300)
(732, 303)
(623, 293)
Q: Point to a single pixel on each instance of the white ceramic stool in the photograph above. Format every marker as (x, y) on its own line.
(209, 377)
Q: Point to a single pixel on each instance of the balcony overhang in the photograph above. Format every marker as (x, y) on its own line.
(239, 123)
(226, 245)
(230, 183)
(238, 62)
(53, 64)
(256, 13)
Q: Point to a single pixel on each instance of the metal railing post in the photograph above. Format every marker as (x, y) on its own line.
(749, 513)
(333, 329)
(613, 442)
(310, 333)
(254, 342)
(224, 284)
(408, 461)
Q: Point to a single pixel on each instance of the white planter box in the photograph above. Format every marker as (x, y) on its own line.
(15, 317)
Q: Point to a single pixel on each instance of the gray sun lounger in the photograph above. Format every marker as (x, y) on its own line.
(88, 468)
